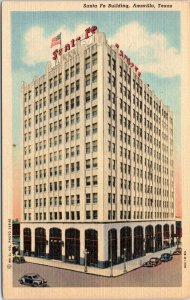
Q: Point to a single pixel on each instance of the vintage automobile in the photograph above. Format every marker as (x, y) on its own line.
(34, 280)
(178, 251)
(166, 257)
(153, 262)
(18, 259)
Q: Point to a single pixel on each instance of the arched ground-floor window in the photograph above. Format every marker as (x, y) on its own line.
(126, 242)
(149, 238)
(112, 245)
(27, 241)
(138, 241)
(72, 245)
(158, 237)
(55, 244)
(40, 242)
(91, 244)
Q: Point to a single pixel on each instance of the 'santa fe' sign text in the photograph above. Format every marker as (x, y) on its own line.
(88, 32)
(125, 57)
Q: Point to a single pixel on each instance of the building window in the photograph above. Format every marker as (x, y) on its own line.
(88, 130)
(72, 119)
(94, 146)
(72, 87)
(109, 60)
(72, 200)
(66, 74)
(88, 164)
(88, 181)
(77, 68)
(60, 78)
(72, 183)
(95, 198)
(67, 184)
(95, 180)
(78, 182)
(94, 94)
(94, 111)
(51, 83)
(94, 128)
(87, 198)
(77, 85)
(78, 199)
(78, 215)
(72, 215)
(77, 134)
(36, 91)
(72, 71)
(77, 101)
(67, 90)
(88, 217)
(94, 162)
(77, 150)
(87, 113)
(77, 117)
(87, 96)
(94, 59)
(87, 63)
(87, 80)
(95, 214)
(94, 76)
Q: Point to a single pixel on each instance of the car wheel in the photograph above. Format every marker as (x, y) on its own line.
(34, 284)
(21, 281)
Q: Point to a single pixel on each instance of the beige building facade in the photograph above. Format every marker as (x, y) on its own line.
(98, 160)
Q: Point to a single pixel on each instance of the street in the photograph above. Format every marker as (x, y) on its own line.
(167, 274)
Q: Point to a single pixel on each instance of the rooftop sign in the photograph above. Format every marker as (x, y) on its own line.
(88, 32)
(125, 57)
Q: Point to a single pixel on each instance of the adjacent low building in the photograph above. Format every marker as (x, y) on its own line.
(98, 166)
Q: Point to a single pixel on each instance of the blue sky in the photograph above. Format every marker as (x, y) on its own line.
(151, 39)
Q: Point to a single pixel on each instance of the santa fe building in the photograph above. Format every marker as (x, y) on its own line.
(98, 159)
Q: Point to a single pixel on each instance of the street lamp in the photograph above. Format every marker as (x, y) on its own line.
(154, 240)
(177, 241)
(124, 257)
(111, 268)
(85, 260)
(170, 244)
(144, 245)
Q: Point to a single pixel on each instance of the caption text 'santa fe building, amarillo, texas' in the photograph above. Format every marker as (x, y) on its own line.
(98, 169)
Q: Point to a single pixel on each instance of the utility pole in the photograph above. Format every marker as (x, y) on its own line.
(85, 260)
(124, 257)
(111, 268)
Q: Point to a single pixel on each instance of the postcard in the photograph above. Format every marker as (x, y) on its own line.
(95, 113)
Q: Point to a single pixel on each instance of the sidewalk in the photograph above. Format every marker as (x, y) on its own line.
(117, 269)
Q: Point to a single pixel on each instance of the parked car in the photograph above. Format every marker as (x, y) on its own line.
(15, 249)
(18, 259)
(166, 245)
(166, 257)
(34, 280)
(153, 262)
(178, 251)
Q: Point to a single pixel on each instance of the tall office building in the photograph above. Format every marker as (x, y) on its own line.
(98, 159)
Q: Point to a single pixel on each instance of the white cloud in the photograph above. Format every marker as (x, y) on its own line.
(150, 51)
(37, 45)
